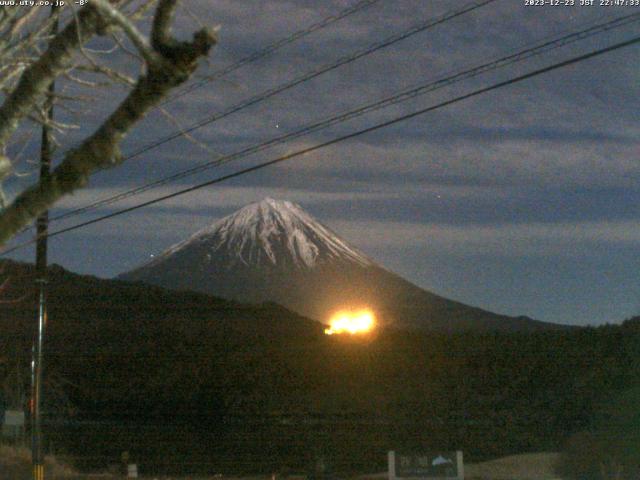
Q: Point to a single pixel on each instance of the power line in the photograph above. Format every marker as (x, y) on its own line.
(349, 136)
(539, 49)
(417, 28)
(325, 22)
(393, 39)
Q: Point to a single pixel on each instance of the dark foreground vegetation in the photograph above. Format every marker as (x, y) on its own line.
(189, 383)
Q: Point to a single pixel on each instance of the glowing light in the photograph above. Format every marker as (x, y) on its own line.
(361, 321)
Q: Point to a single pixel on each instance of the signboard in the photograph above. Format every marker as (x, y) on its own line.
(14, 418)
(132, 470)
(427, 466)
(13, 423)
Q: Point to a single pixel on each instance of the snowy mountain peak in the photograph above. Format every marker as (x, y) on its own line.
(274, 251)
(267, 233)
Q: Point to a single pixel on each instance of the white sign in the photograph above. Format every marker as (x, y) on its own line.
(132, 470)
(13, 426)
(426, 466)
(14, 418)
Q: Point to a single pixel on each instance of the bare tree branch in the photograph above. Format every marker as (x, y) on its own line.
(4, 286)
(171, 64)
(5, 169)
(36, 79)
(110, 73)
(161, 30)
(137, 38)
(126, 50)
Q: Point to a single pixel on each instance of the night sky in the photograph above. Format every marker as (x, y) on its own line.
(523, 201)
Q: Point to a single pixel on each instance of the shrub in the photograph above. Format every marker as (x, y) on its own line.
(611, 449)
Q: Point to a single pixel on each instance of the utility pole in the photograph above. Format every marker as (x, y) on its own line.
(42, 227)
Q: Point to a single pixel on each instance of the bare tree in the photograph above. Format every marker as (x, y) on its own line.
(31, 59)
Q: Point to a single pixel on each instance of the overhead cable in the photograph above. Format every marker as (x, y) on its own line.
(342, 138)
(402, 96)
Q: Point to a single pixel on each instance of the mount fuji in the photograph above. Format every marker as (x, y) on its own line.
(274, 251)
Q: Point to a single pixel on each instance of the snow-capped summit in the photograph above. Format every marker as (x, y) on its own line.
(274, 251)
(269, 233)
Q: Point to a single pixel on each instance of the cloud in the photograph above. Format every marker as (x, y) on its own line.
(544, 167)
(501, 161)
(527, 239)
(215, 198)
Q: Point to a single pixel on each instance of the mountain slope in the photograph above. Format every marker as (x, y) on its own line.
(275, 251)
(271, 234)
(168, 374)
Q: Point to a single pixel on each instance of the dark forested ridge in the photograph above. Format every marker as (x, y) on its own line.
(170, 375)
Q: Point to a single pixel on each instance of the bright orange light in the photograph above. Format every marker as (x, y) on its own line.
(361, 321)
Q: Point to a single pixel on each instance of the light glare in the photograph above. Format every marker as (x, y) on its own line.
(361, 321)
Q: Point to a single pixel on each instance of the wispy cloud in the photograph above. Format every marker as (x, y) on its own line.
(528, 239)
(215, 198)
(545, 167)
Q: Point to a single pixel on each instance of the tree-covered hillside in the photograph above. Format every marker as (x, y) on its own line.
(175, 375)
